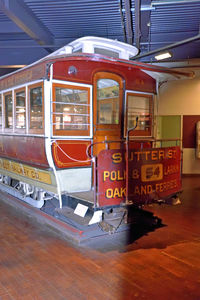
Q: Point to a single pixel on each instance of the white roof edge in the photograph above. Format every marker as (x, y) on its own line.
(161, 77)
(131, 50)
(105, 43)
(126, 49)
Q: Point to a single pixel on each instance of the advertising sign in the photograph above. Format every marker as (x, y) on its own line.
(153, 174)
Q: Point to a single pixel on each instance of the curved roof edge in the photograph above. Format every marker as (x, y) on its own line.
(157, 72)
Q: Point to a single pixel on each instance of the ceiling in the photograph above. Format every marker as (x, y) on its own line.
(31, 29)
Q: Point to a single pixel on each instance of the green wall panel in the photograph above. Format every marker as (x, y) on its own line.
(169, 127)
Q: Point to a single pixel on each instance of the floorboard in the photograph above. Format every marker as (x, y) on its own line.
(161, 263)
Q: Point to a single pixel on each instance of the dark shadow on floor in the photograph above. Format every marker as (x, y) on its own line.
(143, 223)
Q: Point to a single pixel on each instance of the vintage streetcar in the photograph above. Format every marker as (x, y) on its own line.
(77, 128)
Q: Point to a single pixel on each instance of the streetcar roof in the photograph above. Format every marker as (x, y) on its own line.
(123, 54)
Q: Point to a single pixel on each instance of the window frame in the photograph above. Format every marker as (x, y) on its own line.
(140, 133)
(75, 132)
(102, 128)
(20, 130)
(35, 130)
(1, 105)
(6, 129)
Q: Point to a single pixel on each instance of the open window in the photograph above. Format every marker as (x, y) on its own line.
(141, 106)
(71, 110)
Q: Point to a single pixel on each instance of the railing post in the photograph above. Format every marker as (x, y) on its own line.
(95, 181)
(127, 158)
(127, 165)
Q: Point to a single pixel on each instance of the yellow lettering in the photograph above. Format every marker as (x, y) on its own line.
(161, 154)
(109, 193)
(170, 154)
(113, 176)
(138, 154)
(105, 175)
(117, 158)
(143, 190)
(137, 190)
(167, 185)
(119, 177)
(135, 174)
(171, 169)
(34, 175)
(116, 193)
(26, 172)
(147, 154)
(123, 192)
(149, 189)
(154, 155)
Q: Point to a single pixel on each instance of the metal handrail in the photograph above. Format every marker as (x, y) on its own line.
(140, 140)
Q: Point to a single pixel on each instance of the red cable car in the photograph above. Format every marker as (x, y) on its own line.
(77, 127)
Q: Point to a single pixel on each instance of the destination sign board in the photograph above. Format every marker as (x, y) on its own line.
(23, 76)
(152, 174)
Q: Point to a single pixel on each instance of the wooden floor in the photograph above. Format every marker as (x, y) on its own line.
(163, 264)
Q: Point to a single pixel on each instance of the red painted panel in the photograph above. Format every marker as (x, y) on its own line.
(135, 78)
(189, 131)
(153, 174)
(68, 154)
(25, 149)
(111, 175)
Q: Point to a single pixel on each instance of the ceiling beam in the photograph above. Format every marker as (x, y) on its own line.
(137, 23)
(168, 47)
(23, 17)
(128, 22)
(122, 21)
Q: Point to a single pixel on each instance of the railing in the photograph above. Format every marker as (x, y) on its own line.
(167, 140)
(142, 141)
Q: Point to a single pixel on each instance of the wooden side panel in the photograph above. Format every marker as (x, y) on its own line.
(189, 131)
(25, 149)
(23, 76)
(69, 154)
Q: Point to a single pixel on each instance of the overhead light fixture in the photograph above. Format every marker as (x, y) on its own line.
(12, 66)
(163, 55)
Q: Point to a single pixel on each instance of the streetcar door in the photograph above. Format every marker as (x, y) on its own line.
(108, 98)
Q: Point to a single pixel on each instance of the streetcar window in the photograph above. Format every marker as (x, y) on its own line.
(106, 52)
(107, 101)
(8, 111)
(139, 106)
(71, 110)
(78, 50)
(0, 111)
(20, 98)
(36, 107)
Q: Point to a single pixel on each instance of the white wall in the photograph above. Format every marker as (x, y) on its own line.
(182, 97)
